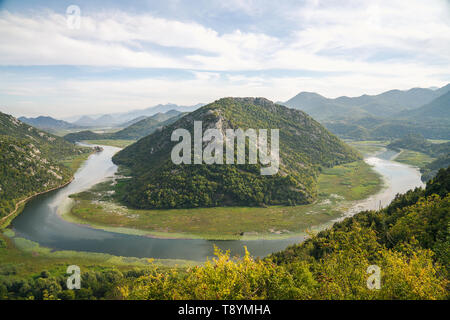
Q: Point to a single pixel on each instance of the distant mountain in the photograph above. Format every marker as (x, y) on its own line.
(106, 120)
(30, 161)
(86, 121)
(322, 108)
(436, 110)
(383, 105)
(147, 126)
(125, 119)
(135, 131)
(389, 115)
(48, 123)
(305, 146)
(160, 108)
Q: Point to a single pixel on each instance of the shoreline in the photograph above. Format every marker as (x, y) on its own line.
(24, 202)
(64, 212)
(345, 206)
(4, 220)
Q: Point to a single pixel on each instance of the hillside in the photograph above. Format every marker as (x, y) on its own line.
(305, 146)
(30, 161)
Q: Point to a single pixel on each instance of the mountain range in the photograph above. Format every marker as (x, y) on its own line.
(124, 119)
(49, 123)
(384, 105)
(136, 130)
(392, 114)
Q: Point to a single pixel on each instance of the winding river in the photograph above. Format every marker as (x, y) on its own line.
(40, 221)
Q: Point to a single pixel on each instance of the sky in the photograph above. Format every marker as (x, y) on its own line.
(131, 54)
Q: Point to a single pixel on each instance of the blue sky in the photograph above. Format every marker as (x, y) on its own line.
(135, 54)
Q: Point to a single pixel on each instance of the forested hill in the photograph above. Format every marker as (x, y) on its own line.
(409, 241)
(305, 147)
(30, 161)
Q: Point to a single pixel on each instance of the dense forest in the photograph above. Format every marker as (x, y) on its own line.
(30, 161)
(409, 241)
(305, 147)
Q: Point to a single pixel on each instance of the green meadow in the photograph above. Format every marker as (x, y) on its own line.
(414, 158)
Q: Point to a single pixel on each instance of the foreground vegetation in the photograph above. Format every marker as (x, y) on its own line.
(409, 241)
(337, 186)
(29, 271)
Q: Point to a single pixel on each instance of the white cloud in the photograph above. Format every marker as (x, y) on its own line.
(72, 97)
(361, 47)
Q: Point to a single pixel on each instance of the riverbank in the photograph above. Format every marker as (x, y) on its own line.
(41, 221)
(4, 222)
(338, 189)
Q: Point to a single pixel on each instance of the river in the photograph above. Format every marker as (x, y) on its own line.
(40, 221)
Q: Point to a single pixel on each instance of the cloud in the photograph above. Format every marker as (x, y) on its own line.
(354, 47)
